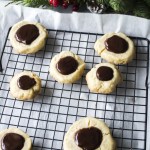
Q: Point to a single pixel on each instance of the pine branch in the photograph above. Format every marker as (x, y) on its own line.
(122, 6)
(135, 7)
(147, 2)
(33, 3)
(106, 2)
(142, 9)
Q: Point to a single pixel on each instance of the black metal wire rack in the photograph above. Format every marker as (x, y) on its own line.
(47, 118)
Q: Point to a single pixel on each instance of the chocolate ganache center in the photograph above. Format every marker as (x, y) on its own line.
(104, 73)
(116, 44)
(88, 138)
(25, 82)
(67, 65)
(27, 34)
(12, 141)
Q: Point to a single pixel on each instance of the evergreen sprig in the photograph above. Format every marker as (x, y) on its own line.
(147, 2)
(36, 3)
(142, 10)
(122, 6)
(139, 8)
(106, 2)
(33, 3)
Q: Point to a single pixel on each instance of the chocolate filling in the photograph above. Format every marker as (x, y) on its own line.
(88, 138)
(25, 82)
(67, 65)
(27, 34)
(12, 141)
(104, 73)
(116, 44)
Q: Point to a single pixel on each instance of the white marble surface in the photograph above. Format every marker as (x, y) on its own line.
(84, 22)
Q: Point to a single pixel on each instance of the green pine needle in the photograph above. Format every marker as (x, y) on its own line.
(142, 9)
(122, 6)
(33, 3)
(147, 2)
(106, 2)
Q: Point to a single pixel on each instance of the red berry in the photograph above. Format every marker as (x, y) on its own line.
(65, 5)
(51, 2)
(55, 3)
(75, 7)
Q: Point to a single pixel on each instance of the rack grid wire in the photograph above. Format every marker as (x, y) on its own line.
(47, 118)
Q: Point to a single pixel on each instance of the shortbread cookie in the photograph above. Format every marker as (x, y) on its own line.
(27, 37)
(66, 67)
(14, 139)
(116, 48)
(25, 85)
(89, 134)
(103, 78)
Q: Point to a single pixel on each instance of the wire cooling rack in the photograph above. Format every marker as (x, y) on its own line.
(47, 118)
